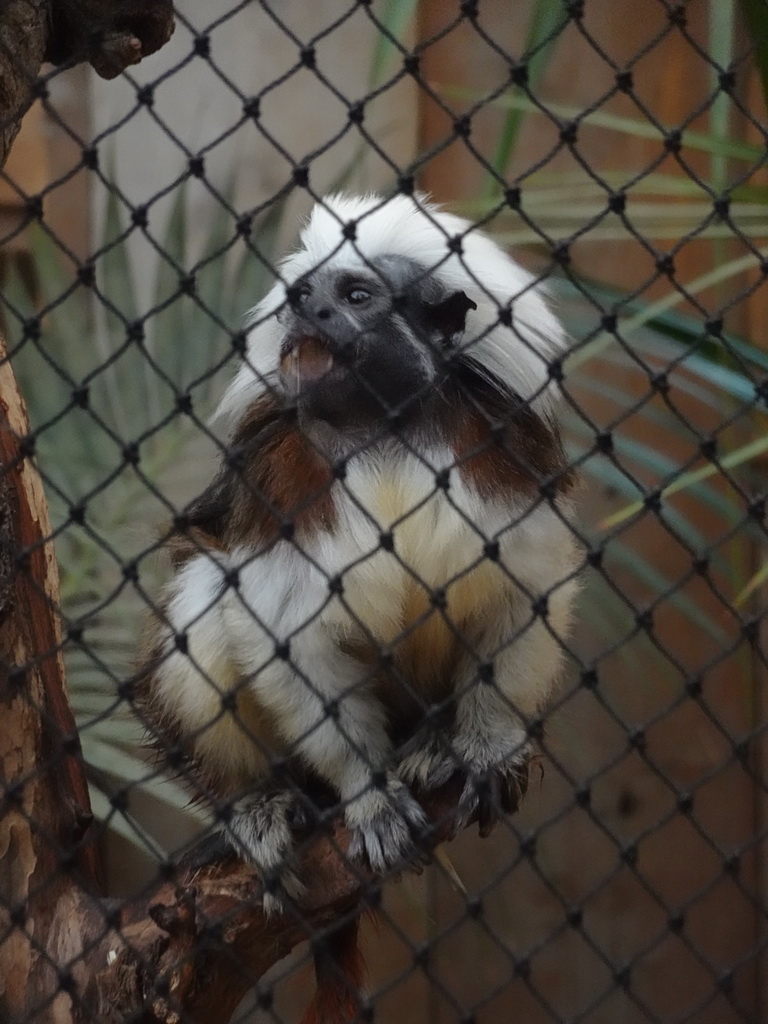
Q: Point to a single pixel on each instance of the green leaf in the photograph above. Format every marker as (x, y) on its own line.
(114, 262)
(394, 19)
(635, 127)
(665, 590)
(254, 274)
(548, 18)
(667, 325)
(686, 480)
(172, 324)
(757, 581)
(605, 339)
(205, 342)
(756, 16)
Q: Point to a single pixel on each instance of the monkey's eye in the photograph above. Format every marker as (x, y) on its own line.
(358, 296)
(298, 294)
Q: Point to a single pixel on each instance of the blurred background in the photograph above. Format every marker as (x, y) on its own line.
(619, 147)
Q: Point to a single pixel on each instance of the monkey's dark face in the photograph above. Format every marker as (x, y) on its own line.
(366, 345)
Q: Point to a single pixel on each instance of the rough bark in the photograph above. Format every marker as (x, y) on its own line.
(44, 806)
(23, 37)
(50, 885)
(193, 947)
(110, 34)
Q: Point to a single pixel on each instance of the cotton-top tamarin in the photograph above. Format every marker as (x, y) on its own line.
(372, 596)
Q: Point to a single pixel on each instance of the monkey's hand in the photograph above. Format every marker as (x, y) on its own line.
(386, 823)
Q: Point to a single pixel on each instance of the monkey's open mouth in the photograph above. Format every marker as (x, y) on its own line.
(305, 360)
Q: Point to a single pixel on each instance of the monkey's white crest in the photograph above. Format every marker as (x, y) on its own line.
(450, 249)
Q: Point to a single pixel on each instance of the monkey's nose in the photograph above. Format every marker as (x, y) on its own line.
(324, 313)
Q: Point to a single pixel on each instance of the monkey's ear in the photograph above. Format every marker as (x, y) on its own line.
(449, 317)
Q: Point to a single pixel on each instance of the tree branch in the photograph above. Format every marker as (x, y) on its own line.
(44, 807)
(191, 948)
(23, 37)
(109, 34)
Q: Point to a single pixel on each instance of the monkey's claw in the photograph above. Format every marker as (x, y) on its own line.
(387, 824)
(214, 848)
(489, 795)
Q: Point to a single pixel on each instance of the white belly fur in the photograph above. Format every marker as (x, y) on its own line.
(439, 538)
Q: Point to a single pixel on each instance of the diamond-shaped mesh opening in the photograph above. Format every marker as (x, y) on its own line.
(432, 565)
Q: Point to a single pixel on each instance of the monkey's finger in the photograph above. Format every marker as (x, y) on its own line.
(303, 816)
(366, 848)
(212, 849)
(282, 888)
(489, 802)
(514, 785)
(419, 856)
(356, 848)
(468, 803)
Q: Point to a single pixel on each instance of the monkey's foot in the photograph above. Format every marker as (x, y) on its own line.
(386, 822)
(494, 775)
(492, 791)
(261, 830)
(429, 761)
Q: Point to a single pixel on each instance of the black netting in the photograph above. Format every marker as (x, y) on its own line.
(346, 595)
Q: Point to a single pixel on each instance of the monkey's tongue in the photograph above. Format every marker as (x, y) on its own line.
(308, 360)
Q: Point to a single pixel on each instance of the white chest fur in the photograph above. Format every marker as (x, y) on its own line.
(433, 575)
(407, 549)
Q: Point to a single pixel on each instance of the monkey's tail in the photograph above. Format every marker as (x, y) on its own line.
(340, 976)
